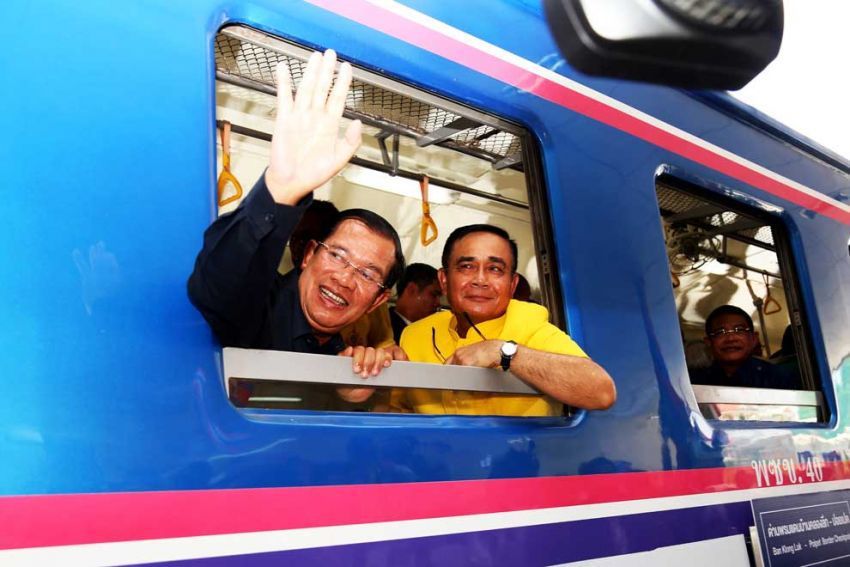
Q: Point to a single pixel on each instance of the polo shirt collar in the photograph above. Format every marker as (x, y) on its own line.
(491, 329)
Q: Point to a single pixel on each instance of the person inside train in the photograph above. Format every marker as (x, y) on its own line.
(787, 349)
(732, 342)
(316, 223)
(419, 295)
(786, 360)
(235, 283)
(371, 330)
(487, 328)
(523, 289)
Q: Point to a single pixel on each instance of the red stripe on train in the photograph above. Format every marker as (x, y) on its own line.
(49, 520)
(491, 65)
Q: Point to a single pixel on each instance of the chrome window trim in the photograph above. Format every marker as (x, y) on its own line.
(756, 396)
(281, 366)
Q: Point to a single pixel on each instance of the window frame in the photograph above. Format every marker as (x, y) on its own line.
(811, 374)
(237, 362)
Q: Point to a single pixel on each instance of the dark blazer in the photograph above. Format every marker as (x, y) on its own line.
(398, 324)
(753, 373)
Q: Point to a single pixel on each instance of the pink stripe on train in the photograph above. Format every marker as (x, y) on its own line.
(51, 520)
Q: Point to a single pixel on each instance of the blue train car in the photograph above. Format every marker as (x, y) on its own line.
(637, 209)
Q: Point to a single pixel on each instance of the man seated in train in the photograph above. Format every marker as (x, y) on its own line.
(487, 328)
(732, 342)
(235, 283)
(419, 295)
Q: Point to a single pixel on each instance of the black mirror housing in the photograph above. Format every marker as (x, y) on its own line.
(694, 44)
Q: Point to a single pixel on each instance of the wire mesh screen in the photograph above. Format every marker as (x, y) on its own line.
(671, 201)
(688, 209)
(394, 108)
(251, 59)
(244, 59)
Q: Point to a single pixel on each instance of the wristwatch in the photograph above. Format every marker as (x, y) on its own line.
(508, 351)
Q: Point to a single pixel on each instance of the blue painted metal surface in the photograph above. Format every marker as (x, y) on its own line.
(113, 381)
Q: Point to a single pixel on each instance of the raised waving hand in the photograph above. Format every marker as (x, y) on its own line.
(307, 149)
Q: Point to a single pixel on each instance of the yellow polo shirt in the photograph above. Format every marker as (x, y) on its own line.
(523, 322)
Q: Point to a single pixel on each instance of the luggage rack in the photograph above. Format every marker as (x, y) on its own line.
(247, 58)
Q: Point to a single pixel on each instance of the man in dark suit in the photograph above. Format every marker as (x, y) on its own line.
(418, 296)
(732, 341)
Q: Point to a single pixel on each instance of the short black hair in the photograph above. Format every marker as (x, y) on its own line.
(727, 310)
(459, 233)
(422, 275)
(316, 224)
(377, 224)
(523, 289)
(327, 213)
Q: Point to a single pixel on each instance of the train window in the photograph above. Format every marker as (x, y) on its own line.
(743, 326)
(479, 169)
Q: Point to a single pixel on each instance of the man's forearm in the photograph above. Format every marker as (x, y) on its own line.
(573, 380)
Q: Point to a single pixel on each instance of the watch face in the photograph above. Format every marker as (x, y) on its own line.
(509, 348)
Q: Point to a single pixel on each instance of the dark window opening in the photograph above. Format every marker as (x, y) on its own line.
(753, 364)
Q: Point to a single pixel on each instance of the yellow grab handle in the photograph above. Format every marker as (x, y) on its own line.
(427, 222)
(768, 300)
(226, 177)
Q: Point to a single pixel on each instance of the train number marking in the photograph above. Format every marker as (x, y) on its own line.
(776, 472)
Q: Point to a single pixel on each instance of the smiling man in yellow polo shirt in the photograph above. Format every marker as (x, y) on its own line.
(487, 328)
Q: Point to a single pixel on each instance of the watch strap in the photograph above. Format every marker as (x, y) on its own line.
(506, 359)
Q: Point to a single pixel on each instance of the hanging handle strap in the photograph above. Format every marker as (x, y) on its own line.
(758, 303)
(769, 300)
(427, 222)
(226, 177)
(225, 144)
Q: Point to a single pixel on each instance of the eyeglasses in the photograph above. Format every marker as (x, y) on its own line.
(434, 336)
(733, 331)
(365, 275)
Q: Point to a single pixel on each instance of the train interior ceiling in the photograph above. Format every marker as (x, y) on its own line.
(481, 170)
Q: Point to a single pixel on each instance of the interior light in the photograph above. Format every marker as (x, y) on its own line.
(402, 186)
